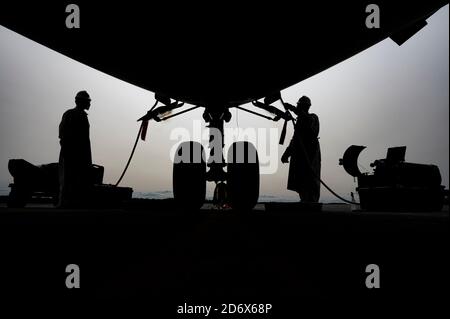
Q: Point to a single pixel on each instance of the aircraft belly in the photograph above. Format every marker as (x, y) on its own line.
(208, 56)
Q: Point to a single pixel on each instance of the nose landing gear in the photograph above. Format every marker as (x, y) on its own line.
(241, 191)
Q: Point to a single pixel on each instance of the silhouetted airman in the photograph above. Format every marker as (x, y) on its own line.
(304, 152)
(75, 159)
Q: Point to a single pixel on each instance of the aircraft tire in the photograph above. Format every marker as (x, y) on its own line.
(189, 176)
(243, 176)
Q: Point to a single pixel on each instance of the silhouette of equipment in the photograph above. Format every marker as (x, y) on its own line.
(190, 170)
(40, 183)
(241, 177)
(396, 185)
(389, 188)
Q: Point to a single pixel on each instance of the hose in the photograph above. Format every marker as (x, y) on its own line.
(131, 155)
(135, 145)
(321, 181)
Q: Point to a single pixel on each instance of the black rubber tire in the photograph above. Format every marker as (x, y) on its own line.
(189, 176)
(243, 176)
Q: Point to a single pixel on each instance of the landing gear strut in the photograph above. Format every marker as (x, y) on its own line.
(239, 185)
(241, 177)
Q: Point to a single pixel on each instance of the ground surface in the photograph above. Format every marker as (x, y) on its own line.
(156, 252)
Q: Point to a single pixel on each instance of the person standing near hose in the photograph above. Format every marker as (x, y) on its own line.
(304, 153)
(75, 159)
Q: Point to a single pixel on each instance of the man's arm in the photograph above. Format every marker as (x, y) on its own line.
(287, 154)
(314, 125)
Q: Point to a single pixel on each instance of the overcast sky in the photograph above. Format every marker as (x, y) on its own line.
(385, 96)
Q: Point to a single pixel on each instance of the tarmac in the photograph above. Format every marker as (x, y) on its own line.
(280, 253)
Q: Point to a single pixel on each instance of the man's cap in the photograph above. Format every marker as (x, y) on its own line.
(83, 95)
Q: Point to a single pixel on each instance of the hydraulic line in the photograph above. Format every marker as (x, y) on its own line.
(131, 155)
(134, 147)
(321, 181)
